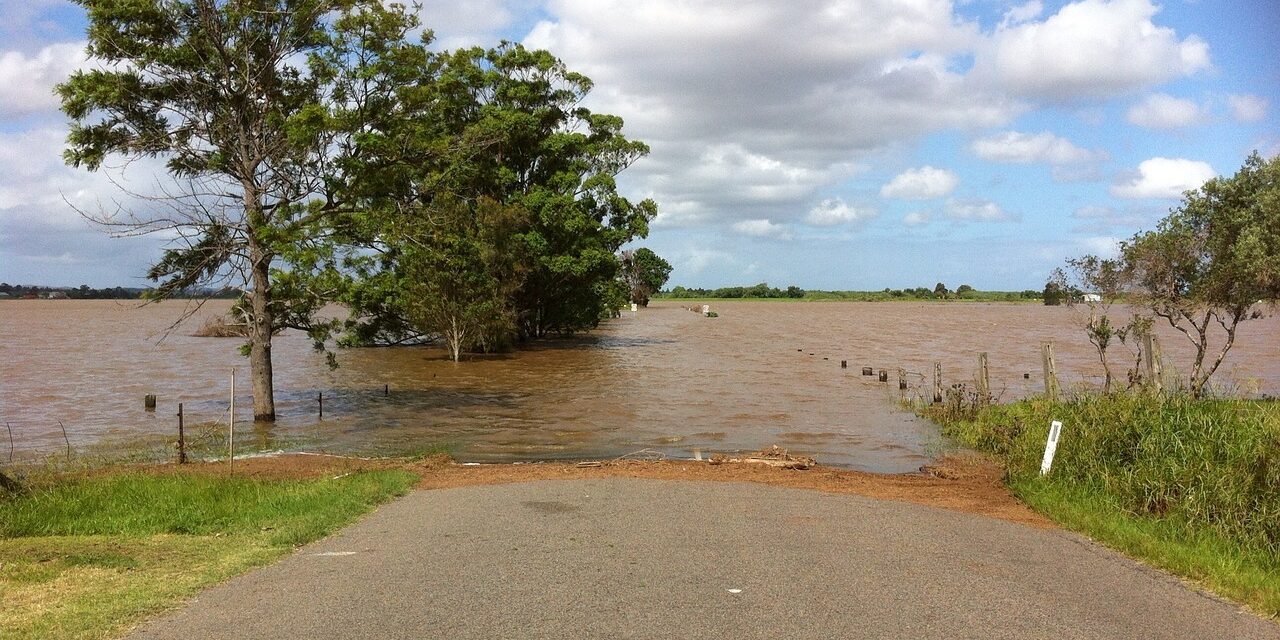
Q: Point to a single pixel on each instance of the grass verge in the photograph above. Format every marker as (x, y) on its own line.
(1192, 487)
(92, 556)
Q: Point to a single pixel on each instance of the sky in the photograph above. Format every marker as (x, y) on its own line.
(829, 144)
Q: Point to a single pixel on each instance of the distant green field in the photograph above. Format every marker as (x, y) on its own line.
(892, 295)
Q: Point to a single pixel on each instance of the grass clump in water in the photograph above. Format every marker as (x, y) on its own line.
(1192, 486)
(87, 557)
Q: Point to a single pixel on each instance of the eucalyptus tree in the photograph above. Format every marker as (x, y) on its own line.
(221, 92)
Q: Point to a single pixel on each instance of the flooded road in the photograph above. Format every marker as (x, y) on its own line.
(664, 379)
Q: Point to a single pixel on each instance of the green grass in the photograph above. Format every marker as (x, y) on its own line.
(90, 557)
(1241, 572)
(1190, 486)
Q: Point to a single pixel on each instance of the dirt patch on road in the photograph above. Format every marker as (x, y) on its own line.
(970, 484)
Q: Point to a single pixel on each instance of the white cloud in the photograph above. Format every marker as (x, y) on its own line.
(1247, 108)
(753, 108)
(916, 218)
(29, 81)
(834, 211)
(1097, 218)
(1102, 246)
(977, 210)
(1164, 178)
(1089, 49)
(1163, 111)
(471, 23)
(696, 260)
(762, 228)
(922, 183)
(1025, 148)
(1093, 212)
(1022, 13)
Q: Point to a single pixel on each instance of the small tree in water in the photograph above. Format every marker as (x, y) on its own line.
(1102, 282)
(1214, 261)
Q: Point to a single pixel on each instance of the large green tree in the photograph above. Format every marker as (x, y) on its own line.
(216, 89)
(1212, 261)
(644, 273)
(503, 125)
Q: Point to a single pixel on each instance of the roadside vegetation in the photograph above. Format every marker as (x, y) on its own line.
(1190, 486)
(1161, 467)
(90, 556)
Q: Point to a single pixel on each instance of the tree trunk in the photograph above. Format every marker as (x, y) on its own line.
(264, 402)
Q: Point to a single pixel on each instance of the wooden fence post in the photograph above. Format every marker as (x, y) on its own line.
(902, 379)
(937, 382)
(1050, 373)
(984, 379)
(1151, 345)
(182, 438)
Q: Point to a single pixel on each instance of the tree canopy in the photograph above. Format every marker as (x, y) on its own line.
(644, 273)
(1209, 265)
(216, 91)
(322, 152)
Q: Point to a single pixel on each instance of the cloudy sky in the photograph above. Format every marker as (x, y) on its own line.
(841, 144)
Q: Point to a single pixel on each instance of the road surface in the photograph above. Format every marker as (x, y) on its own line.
(628, 558)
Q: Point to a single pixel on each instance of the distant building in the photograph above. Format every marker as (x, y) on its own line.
(57, 295)
(1091, 297)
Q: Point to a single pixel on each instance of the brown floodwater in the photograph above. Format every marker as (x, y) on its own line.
(665, 379)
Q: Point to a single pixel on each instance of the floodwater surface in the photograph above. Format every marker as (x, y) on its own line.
(665, 380)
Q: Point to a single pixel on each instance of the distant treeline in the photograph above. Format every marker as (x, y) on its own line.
(938, 292)
(85, 292)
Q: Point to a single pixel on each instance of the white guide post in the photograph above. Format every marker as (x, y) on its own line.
(1050, 447)
(231, 422)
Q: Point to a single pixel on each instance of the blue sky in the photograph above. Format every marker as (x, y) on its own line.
(840, 144)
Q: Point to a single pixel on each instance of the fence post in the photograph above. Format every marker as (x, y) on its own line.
(984, 379)
(937, 382)
(902, 379)
(1151, 345)
(1050, 373)
(182, 438)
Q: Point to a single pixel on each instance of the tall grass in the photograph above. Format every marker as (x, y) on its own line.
(1214, 462)
(1190, 485)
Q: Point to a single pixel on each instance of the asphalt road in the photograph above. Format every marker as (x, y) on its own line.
(625, 558)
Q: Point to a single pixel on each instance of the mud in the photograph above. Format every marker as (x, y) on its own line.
(967, 483)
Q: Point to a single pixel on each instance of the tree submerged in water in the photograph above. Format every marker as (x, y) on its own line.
(1212, 263)
(321, 152)
(644, 272)
(215, 90)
